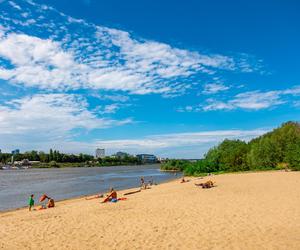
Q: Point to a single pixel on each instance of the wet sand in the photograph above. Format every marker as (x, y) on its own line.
(245, 211)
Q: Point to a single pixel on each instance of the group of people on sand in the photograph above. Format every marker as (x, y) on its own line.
(144, 184)
(207, 184)
(112, 194)
(45, 200)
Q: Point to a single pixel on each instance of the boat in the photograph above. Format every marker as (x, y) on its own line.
(6, 167)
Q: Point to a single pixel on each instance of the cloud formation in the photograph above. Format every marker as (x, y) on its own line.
(49, 117)
(182, 139)
(59, 59)
(213, 88)
(165, 145)
(251, 100)
(45, 49)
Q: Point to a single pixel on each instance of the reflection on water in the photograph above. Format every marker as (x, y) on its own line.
(17, 185)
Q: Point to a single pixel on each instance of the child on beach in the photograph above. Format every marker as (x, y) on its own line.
(31, 202)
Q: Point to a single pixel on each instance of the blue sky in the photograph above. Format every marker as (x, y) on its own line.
(172, 78)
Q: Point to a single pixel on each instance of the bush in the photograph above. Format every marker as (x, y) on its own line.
(280, 147)
(175, 165)
(54, 164)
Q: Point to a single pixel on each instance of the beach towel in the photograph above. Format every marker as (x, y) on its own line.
(122, 199)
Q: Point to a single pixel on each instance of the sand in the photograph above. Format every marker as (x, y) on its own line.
(245, 211)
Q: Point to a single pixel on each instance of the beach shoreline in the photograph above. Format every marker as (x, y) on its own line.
(61, 184)
(244, 211)
(87, 196)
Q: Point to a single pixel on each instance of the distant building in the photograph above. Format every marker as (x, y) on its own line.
(15, 152)
(162, 159)
(121, 154)
(100, 153)
(147, 158)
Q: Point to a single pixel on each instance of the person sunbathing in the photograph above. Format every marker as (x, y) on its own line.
(208, 184)
(45, 204)
(183, 180)
(95, 197)
(112, 196)
(50, 203)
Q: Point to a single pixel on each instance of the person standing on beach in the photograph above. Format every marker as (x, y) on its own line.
(143, 184)
(31, 202)
(151, 181)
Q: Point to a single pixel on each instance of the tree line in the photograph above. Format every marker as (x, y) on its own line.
(277, 149)
(56, 159)
(53, 155)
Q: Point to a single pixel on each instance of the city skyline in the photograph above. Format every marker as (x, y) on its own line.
(171, 79)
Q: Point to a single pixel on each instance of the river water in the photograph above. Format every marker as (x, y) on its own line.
(17, 185)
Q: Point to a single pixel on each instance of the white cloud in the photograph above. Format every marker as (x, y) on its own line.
(295, 91)
(49, 117)
(74, 54)
(110, 108)
(214, 105)
(257, 100)
(213, 88)
(182, 139)
(252, 100)
(14, 5)
(172, 145)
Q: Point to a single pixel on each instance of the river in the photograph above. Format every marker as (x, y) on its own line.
(64, 183)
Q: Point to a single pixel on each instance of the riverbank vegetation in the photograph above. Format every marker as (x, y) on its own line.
(55, 159)
(278, 149)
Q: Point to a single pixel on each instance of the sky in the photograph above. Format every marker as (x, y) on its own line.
(172, 78)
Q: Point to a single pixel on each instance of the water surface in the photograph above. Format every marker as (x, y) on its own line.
(17, 185)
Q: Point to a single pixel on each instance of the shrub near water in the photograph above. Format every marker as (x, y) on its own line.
(281, 147)
(175, 165)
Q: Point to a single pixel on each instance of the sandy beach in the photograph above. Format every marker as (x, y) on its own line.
(245, 211)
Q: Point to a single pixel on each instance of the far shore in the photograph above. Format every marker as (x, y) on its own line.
(244, 211)
(78, 165)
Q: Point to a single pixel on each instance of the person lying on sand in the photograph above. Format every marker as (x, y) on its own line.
(208, 184)
(95, 197)
(133, 192)
(183, 180)
(112, 196)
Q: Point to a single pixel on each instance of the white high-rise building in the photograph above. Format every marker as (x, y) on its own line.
(100, 153)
